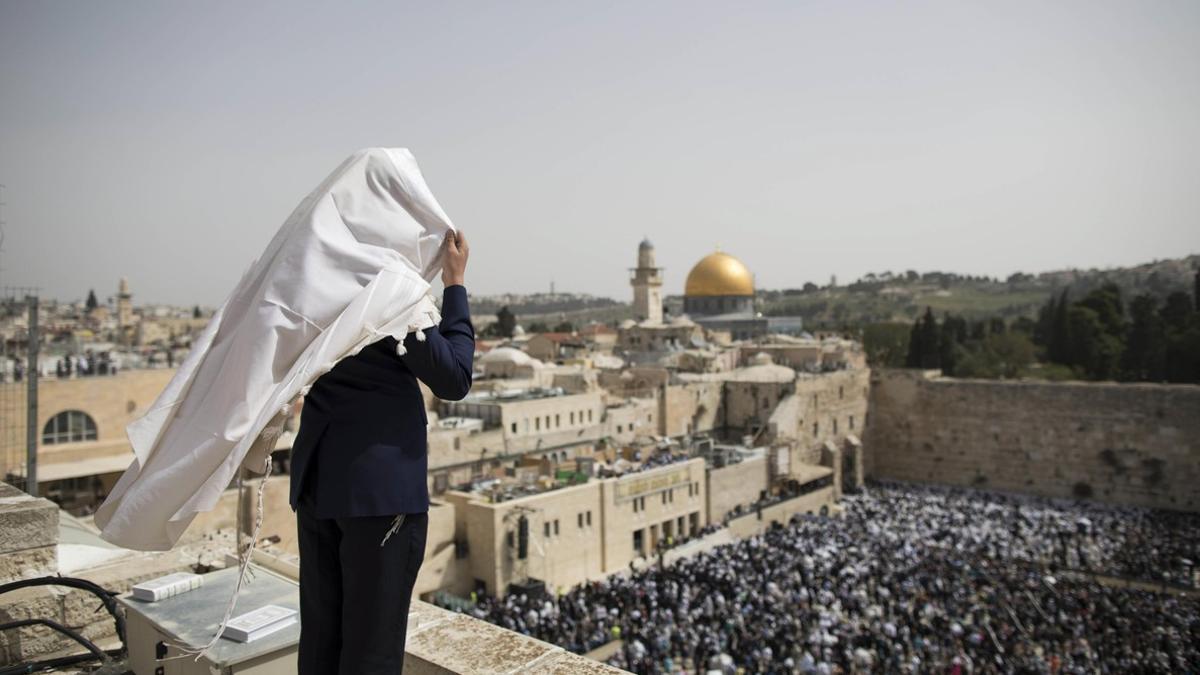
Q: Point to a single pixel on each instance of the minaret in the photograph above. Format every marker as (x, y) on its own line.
(126, 331)
(124, 305)
(647, 285)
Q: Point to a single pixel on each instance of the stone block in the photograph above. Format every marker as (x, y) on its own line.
(27, 522)
(27, 563)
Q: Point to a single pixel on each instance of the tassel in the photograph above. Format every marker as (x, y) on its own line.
(396, 523)
(420, 335)
(401, 350)
(243, 566)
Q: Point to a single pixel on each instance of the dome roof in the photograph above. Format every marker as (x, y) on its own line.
(719, 274)
(507, 355)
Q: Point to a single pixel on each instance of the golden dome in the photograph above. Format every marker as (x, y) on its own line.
(719, 274)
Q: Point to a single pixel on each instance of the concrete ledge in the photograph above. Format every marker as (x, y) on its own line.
(442, 642)
(26, 523)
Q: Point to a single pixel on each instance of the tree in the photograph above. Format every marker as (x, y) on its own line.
(913, 358)
(1060, 333)
(565, 327)
(1182, 326)
(1196, 290)
(947, 345)
(506, 322)
(1178, 311)
(886, 344)
(1043, 329)
(929, 356)
(92, 303)
(196, 312)
(997, 355)
(1106, 302)
(1145, 355)
(1092, 349)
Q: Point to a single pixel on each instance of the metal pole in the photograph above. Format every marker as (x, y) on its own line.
(31, 396)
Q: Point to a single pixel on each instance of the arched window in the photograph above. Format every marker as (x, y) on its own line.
(69, 426)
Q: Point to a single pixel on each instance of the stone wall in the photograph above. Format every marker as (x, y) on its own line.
(734, 484)
(757, 522)
(1136, 444)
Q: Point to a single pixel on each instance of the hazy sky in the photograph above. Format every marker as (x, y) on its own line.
(167, 141)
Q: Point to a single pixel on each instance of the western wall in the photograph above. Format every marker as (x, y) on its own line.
(1135, 444)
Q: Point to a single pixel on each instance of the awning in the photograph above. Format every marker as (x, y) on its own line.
(91, 466)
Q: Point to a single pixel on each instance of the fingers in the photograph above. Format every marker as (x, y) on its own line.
(455, 241)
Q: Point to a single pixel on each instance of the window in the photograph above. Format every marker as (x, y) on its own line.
(69, 426)
(841, 393)
(620, 428)
(816, 429)
(835, 425)
(589, 517)
(546, 529)
(664, 497)
(514, 427)
(537, 423)
(556, 527)
(572, 418)
(557, 423)
(580, 515)
(589, 416)
(852, 421)
(547, 423)
(635, 506)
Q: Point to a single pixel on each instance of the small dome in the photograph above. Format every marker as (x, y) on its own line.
(719, 274)
(645, 244)
(518, 330)
(506, 355)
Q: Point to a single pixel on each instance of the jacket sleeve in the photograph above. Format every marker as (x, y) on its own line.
(444, 360)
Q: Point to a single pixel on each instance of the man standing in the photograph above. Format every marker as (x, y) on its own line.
(358, 486)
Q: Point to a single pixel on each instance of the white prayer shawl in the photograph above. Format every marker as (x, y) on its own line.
(352, 264)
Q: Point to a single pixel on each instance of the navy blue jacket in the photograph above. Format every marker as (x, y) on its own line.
(362, 448)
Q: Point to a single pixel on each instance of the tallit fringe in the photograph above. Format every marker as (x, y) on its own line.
(396, 523)
(243, 564)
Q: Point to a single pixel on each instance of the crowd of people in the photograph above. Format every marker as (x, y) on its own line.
(907, 580)
(86, 364)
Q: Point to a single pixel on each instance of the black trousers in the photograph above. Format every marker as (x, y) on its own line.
(355, 593)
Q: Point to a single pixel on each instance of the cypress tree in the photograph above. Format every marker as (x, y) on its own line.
(1145, 355)
(930, 358)
(913, 359)
(1060, 335)
(948, 344)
